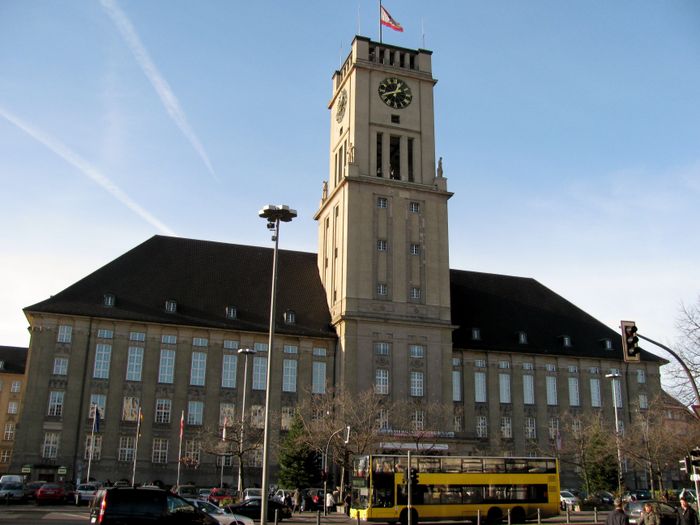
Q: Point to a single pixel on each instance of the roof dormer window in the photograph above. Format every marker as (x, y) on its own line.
(607, 344)
(2, 365)
(522, 338)
(171, 306)
(566, 341)
(290, 317)
(108, 300)
(476, 334)
(231, 312)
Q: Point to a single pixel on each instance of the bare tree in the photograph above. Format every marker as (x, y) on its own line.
(688, 348)
(421, 424)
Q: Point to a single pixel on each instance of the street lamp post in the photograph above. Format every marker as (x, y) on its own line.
(325, 463)
(613, 382)
(273, 214)
(245, 352)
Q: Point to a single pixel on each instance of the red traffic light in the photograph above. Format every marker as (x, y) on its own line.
(630, 346)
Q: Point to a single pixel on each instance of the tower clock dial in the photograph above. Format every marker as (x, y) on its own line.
(395, 93)
(341, 105)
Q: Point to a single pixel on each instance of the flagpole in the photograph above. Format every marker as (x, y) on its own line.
(380, 21)
(179, 449)
(136, 448)
(95, 415)
(223, 458)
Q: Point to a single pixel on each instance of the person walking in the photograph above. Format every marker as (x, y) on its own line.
(296, 501)
(649, 515)
(617, 516)
(687, 514)
(330, 502)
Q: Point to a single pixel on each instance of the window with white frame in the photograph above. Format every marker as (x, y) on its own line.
(641, 376)
(504, 388)
(416, 384)
(414, 249)
(574, 400)
(594, 370)
(382, 289)
(159, 453)
(134, 363)
(618, 392)
(289, 375)
(227, 413)
(192, 449)
(504, 365)
(166, 367)
(595, 392)
(572, 369)
(103, 355)
(56, 403)
(99, 401)
(381, 348)
(93, 447)
(382, 245)
(414, 207)
(60, 366)
(130, 408)
(163, 410)
(643, 401)
(621, 427)
(456, 361)
(553, 428)
(287, 416)
(171, 306)
(550, 367)
(457, 423)
(318, 377)
(126, 448)
(382, 202)
(15, 387)
(416, 351)
(195, 412)
(49, 448)
(528, 366)
(383, 419)
(415, 293)
(231, 312)
(230, 344)
(260, 348)
(476, 334)
(229, 367)
(5, 455)
(201, 342)
(530, 428)
(12, 407)
(259, 373)
(319, 352)
(456, 385)
(198, 368)
(168, 339)
(255, 458)
(104, 333)
(566, 341)
(482, 427)
(381, 381)
(506, 427)
(290, 349)
(137, 336)
(480, 363)
(552, 390)
(9, 433)
(528, 389)
(257, 416)
(227, 461)
(522, 338)
(418, 420)
(480, 387)
(65, 333)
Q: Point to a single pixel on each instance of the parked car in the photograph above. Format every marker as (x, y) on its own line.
(252, 492)
(667, 514)
(31, 488)
(85, 492)
(220, 496)
(221, 515)
(186, 491)
(54, 493)
(602, 498)
(203, 494)
(282, 494)
(11, 491)
(144, 506)
(636, 495)
(568, 500)
(251, 507)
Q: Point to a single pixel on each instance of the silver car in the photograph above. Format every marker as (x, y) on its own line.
(219, 514)
(85, 492)
(11, 491)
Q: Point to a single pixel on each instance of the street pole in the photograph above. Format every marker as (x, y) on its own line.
(273, 214)
(245, 352)
(325, 464)
(613, 383)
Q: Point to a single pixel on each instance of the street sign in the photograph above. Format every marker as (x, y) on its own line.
(62, 470)
(26, 470)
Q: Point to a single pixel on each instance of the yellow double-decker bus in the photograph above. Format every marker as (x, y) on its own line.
(454, 488)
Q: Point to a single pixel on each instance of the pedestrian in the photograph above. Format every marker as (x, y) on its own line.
(346, 503)
(330, 502)
(296, 501)
(617, 516)
(648, 515)
(687, 514)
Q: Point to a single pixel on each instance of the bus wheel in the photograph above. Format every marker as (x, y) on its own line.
(517, 515)
(403, 517)
(494, 515)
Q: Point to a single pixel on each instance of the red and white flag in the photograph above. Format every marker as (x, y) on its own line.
(182, 424)
(388, 21)
(223, 433)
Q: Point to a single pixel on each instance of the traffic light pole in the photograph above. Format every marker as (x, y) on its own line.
(685, 367)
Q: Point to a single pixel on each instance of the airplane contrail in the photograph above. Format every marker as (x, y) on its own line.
(86, 168)
(166, 95)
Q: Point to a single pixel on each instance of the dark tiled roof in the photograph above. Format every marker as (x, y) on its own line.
(203, 277)
(14, 359)
(501, 306)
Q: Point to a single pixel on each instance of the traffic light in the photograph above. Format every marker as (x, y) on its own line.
(630, 347)
(414, 476)
(695, 457)
(684, 465)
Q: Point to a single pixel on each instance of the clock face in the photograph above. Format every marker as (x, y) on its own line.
(340, 106)
(395, 93)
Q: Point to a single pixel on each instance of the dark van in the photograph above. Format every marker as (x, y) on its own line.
(144, 506)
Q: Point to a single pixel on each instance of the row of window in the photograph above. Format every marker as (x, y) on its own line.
(530, 428)
(383, 203)
(566, 341)
(552, 368)
(383, 246)
(15, 386)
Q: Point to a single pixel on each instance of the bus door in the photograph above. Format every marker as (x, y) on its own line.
(383, 489)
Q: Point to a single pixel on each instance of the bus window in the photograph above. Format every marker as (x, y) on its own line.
(429, 464)
(472, 465)
(494, 465)
(517, 465)
(451, 464)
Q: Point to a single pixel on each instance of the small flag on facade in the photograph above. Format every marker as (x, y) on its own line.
(182, 424)
(223, 434)
(387, 20)
(97, 418)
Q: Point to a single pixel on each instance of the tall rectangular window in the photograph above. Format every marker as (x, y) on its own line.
(504, 387)
(551, 390)
(530, 428)
(195, 412)
(529, 389)
(126, 448)
(416, 351)
(160, 450)
(418, 420)
(166, 368)
(257, 416)
(506, 427)
(60, 366)
(381, 348)
(227, 414)
(198, 368)
(595, 392)
(380, 160)
(318, 377)
(103, 354)
(56, 403)
(163, 410)
(9, 434)
(289, 375)
(381, 381)
(395, 157)
(259, 373)
(93, 448)
(383, 419)
(456, 385)
(618, 392)
(228, 371)
(641, 376)
(574, 400)
(130, 408)
(482, 427)
(49, 448)
(643, 401)
(554, 428)
(192, 449)
(5, 456)
(65, 333)
(134, 363)
(99, 401)
(417, 384)
(480, 387)
(15, 387)
(12, 407)
(286, 418)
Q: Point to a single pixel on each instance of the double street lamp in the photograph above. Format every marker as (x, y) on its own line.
(273, 214)
(614, 377)
(245, 352)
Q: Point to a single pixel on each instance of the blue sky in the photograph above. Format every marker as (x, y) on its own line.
(569, 133)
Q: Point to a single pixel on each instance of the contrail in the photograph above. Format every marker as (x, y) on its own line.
(72, 158)
(167, 97)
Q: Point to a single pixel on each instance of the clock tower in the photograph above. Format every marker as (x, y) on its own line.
(382, 223)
